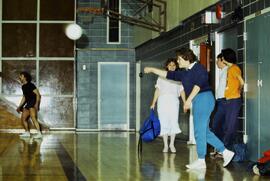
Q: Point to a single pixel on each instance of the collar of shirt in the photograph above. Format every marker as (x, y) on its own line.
(224, 69)
(191, 65)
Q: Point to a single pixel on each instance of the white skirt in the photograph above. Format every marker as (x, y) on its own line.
(168, 113)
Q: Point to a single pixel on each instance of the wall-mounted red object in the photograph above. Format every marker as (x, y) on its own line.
(205, 55)
(218, 11)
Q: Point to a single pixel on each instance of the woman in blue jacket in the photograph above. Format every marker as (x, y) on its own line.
(194, 78)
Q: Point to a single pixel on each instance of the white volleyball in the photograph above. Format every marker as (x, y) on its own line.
(73, 31)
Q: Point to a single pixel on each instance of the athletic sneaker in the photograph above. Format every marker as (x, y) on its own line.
(172, 148)
(165, 149)
(25, 135)
(38, 135)
(198, 164)
(227, 156)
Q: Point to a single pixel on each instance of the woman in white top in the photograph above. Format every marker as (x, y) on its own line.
(167, 97)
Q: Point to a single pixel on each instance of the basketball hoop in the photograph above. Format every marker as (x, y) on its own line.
(92, 10)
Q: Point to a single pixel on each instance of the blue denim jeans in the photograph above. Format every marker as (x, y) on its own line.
(202, 107)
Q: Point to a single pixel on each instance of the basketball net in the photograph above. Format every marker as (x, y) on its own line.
(92, 10)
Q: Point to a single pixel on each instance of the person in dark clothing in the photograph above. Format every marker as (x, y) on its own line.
(198, 91)
(233, 103)
(29, 105)
(219, 116)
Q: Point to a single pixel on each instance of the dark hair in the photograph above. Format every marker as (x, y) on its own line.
(27, 76)
(220, 56)
(187, 54)
(169, 60)
(229, 55)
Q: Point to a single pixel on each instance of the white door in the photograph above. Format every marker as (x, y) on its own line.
(113, 95)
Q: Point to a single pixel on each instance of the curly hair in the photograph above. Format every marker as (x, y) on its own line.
(27, 76)
(168, 61)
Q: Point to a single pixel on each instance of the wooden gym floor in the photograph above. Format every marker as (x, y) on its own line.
(105, 156)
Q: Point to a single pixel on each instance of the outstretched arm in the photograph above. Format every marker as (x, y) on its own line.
(161, 73)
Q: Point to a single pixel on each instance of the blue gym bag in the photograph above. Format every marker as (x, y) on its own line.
(149, 130)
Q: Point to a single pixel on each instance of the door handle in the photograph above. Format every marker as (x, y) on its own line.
(259, 83)
(245, 87)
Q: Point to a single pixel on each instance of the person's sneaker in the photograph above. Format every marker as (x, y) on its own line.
(165, 149)
(31, 141)
(38, 141)
(172, 148)
(227, 157)
(25, 135)
(37, 136)
(256, 170)
(198, 164)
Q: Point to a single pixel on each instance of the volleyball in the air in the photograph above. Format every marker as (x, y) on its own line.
(73, 31)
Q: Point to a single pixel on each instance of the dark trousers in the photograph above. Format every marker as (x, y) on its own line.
(231, 124)
(219, 118)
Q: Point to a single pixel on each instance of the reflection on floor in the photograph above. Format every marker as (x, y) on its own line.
(105, 156)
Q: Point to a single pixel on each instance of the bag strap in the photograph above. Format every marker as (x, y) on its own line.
(146, 130)
(140, 145)
(139, 151)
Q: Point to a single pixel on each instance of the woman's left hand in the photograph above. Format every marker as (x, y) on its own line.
(187, 106)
